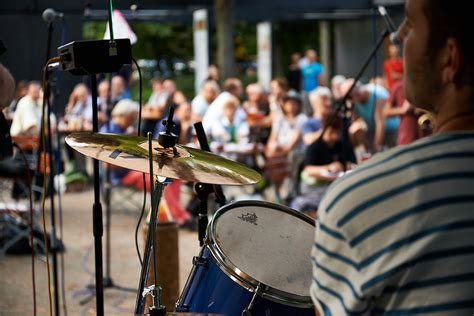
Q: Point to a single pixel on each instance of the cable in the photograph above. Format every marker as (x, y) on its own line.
(111, 27)
(140, 97)
(43, 198)
(30, 196)
(137, 228)
(61, 235)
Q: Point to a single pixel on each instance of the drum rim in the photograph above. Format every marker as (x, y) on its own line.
(240, 277)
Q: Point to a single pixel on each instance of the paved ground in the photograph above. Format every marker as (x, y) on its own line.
(15, 271)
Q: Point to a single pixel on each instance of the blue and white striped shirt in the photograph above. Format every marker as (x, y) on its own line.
(396, 236)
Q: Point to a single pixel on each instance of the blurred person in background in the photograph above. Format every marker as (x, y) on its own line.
(78, 113)
(398, 106)
(209, 92)
(313, 73)
(321, 102)
(294, 72)
(323, 163)
(213, 73)
(176, 97)
(369, 101)
(285, 148)
(27, 117)
(393, 66)
(103, 99)
(230, 136)
(118, 90)
(124, 116)
(313, 76)
(155, 108)
(20, 91)
(258, 113)
(278, 90)
(215, 112)
(336, 84)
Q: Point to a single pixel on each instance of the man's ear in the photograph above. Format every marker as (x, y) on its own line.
(450, 59)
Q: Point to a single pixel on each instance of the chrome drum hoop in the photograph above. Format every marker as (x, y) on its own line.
(240, 277)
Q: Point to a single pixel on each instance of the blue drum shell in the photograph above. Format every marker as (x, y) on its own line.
(212, 291)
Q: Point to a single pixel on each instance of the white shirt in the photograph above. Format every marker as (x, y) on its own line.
(199, 105)
(286, 130)
(27, 115)
(158, 99)
(215, 112)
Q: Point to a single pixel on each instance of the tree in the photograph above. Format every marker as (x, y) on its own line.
(224, 10)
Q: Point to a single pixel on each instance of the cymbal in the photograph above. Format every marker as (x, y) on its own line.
(180, 162)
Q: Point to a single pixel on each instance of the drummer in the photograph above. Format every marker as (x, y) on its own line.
(394, 237)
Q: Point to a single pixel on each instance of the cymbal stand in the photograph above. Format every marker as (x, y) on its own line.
(168, 140)
(203, 190)
(150, 248)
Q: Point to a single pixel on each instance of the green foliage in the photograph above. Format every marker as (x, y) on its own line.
(175, 40)
(295, 36)
(245, 41)
(155, 40)
(93, 30)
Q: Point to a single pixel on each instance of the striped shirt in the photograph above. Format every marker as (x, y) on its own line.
(396, 236)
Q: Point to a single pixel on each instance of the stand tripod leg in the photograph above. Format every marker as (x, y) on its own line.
(140, 301)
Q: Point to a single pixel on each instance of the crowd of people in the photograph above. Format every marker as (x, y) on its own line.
(278, 132)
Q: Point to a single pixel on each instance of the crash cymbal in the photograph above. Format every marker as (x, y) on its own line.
(180, 162)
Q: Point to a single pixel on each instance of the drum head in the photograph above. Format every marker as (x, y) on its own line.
(268, 243)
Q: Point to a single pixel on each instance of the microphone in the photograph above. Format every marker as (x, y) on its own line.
(390, 26)
(49, 15)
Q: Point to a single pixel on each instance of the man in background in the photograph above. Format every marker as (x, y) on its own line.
(27, 117)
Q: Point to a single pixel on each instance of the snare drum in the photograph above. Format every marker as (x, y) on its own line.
(255, 262)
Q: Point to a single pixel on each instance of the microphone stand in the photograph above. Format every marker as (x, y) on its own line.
(108, 281)
(97, 224)
(342, 109)
(49, 147)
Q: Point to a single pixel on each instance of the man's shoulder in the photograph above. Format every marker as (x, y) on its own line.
(391, 168)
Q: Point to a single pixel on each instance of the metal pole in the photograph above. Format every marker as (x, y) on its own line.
(97, 224)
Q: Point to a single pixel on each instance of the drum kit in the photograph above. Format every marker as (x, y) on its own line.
(255, 256)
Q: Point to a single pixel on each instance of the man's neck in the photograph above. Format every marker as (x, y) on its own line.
(456, 112)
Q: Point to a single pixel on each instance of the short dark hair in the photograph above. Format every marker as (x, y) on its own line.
(282, 83)
(451, 19)
(232, 84)
(333, 121)
(157, 80)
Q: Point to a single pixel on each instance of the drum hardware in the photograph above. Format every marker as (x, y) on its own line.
(156, 293)
(203, 190)
(199, 261)
(156, 195)
(247, 310)
(252, 269)
(166, 161)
